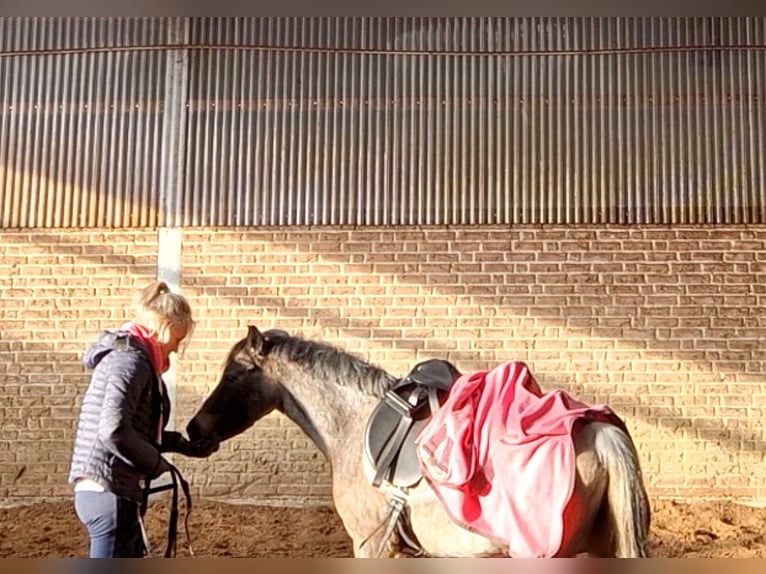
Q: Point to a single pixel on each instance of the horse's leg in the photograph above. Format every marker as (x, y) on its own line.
(363, 509)
(365, 526)
(627, 504)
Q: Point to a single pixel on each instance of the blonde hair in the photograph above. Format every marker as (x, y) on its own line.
(158, 309)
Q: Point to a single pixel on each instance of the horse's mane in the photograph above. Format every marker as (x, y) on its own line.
(330, 363)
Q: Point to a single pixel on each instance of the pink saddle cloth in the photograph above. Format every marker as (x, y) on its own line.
(500, 456)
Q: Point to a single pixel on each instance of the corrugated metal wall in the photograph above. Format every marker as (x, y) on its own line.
(385, 121)
(80, 130)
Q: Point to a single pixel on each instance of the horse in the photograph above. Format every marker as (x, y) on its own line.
(330, 394)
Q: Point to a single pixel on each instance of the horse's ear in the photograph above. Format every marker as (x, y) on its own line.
(254, 338)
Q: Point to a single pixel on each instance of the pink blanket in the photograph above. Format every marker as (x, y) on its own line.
(499, 454)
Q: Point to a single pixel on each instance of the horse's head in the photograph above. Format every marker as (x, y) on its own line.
(244, 393)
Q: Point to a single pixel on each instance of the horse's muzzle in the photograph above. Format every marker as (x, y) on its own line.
(195, 431)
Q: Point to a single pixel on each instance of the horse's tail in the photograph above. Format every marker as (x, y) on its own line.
(628, 504)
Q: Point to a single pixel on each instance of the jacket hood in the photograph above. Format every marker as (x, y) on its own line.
(107, 342)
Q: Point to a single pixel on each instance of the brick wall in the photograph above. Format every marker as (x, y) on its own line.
(663, 324)
(58, 290)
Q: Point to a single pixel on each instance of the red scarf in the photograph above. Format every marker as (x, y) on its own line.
(160, 362)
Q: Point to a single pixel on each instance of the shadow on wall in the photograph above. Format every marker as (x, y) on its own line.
(663, 325)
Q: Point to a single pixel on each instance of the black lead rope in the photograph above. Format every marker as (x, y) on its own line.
(177, 477)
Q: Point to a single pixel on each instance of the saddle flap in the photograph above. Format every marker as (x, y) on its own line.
(389, 443)
(389, 437)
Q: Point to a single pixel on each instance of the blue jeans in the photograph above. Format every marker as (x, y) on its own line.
(112, 522)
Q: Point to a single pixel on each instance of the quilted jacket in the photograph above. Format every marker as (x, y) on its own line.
(116, 443)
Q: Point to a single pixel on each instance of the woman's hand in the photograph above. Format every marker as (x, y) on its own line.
(173, 441)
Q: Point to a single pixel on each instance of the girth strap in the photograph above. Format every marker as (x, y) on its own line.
(396, 518)
(397, 507)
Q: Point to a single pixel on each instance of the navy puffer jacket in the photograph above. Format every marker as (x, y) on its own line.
(116, 442)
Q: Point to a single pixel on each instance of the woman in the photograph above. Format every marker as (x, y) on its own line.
(120, 434)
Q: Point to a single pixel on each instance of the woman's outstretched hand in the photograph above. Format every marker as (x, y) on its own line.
(173, 441)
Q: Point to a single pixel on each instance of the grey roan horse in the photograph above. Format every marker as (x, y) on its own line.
(330, 394)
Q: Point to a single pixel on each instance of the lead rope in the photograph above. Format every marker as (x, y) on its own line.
(144, 536)
(171, 549)
(173, 522)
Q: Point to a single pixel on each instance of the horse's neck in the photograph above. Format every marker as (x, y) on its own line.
(332, 415)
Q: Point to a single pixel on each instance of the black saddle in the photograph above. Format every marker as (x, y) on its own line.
(389, 438)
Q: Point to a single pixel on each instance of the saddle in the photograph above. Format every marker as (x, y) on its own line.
(389, 437)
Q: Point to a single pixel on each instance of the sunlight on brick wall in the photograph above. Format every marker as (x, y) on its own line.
(663, 324)
(58, 290)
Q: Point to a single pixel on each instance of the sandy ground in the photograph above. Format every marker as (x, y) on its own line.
(701, 529)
